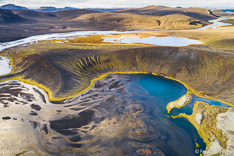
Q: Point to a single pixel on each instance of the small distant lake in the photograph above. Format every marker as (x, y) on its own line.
(162, 41)
(5, 68)
(216, 23)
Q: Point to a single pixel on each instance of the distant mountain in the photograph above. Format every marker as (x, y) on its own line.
(12, 6)
(53, 9)
(105, 9)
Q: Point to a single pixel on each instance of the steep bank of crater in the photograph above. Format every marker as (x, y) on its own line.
(69, 69)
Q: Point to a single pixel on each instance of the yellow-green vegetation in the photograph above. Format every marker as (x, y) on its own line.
(71, 68)
(16, 56)
(90, 39)
(79, 67)
(207, 129)
(21, 153)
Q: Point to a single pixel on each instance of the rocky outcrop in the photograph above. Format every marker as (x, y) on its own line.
(225, 122)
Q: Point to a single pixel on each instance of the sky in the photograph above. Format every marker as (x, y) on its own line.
(120, 3)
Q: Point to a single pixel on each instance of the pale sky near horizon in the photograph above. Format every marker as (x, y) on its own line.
(120, 3)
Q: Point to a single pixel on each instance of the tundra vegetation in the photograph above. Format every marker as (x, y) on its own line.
(73, 65)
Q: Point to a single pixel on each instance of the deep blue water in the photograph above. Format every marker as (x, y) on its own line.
(168, 90)
(159, 91)
(209, 101)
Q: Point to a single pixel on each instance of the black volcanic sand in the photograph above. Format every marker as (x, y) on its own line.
(115, 117)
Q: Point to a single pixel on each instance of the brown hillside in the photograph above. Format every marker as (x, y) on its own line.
(128, 21)
(8, 17)
(61, 15)
(148, 18)
(120, 20)
(197, 13)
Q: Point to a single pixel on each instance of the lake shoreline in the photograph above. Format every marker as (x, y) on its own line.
(72, 72)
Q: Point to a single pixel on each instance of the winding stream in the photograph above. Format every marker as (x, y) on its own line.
(216, 23)
(119, 115)
(34, 39)
(163, 41)
(166, 41)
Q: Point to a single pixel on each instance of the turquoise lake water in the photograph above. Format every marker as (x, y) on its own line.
(163, 91)
(167, 90)
(158, 92)
(170, 90)
(127, 98)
